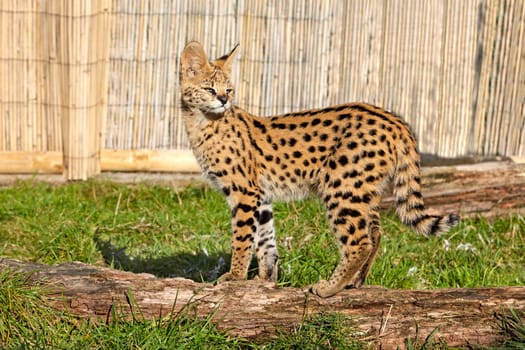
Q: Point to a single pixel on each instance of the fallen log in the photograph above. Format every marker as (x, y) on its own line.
(251, 309)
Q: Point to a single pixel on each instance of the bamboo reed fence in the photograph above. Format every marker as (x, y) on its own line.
(88, 86)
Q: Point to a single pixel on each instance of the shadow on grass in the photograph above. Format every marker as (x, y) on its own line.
(197, 267)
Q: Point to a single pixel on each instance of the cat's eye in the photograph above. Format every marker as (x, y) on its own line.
(211, 91)
(229, 91)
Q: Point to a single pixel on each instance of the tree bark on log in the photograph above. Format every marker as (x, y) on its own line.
(251, 309)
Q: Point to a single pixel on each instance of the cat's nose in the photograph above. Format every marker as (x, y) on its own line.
(222, 98)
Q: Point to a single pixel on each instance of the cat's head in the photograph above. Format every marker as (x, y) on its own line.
(205, 84)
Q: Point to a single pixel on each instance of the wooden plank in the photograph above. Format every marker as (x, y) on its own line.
(177, 161)
(149, 160)
(31, 162)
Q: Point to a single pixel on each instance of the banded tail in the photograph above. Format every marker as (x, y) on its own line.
(409, 201)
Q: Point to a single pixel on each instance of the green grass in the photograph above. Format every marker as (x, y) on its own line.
(170, 231)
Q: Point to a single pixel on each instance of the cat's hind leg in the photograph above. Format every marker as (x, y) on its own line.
(348, 215)
(374, 228)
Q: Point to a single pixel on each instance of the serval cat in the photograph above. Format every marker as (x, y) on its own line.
(345, 154)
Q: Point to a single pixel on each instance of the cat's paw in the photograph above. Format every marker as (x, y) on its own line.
(268, 276)
(323, 289)
(356, 282)
(228, 276)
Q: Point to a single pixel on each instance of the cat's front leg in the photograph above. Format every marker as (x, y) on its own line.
(265, 245)
(244, 227)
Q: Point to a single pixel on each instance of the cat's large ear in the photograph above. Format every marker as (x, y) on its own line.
(225, 62)
(193, 60)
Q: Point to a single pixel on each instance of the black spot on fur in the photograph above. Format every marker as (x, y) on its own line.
(340, 221)
(356, 199)
(349, 212)
(244, 207)
(351, 174)
(265, 217)
(434, 228)
(280, 126)
(259, 126)
(244, 238)
(242, 223)
(352, 145)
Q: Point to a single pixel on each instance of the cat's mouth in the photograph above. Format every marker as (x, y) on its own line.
(219, 109)
(216, 113)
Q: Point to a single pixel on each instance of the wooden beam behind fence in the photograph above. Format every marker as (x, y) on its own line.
(31, 162)
(143, 160)
(181, 161)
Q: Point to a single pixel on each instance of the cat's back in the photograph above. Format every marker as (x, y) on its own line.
(295, 152)
(353, 125)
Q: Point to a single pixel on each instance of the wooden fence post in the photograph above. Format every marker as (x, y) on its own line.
(83, 36)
